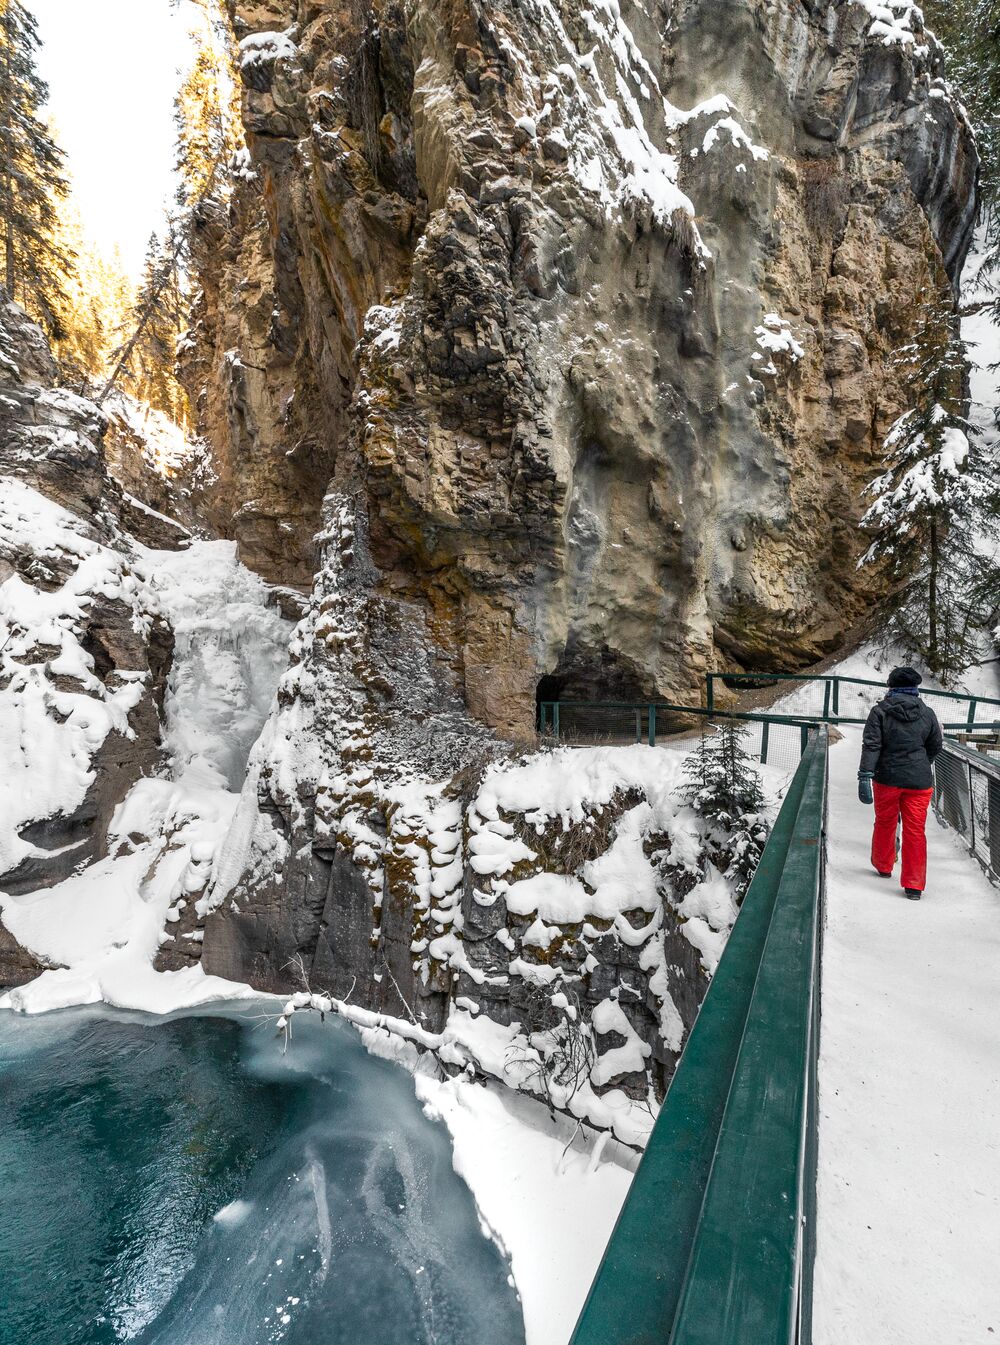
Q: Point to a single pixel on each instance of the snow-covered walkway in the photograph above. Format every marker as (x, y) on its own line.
(909, 1180)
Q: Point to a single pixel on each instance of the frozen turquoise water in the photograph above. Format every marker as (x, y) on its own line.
(184, 1183)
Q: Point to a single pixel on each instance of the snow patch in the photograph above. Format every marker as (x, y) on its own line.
(266, 48)
(774, 336)
(549, 1193)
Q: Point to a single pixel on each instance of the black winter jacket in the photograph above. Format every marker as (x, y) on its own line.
(901, 739)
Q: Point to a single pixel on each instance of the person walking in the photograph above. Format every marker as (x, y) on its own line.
(902, 737)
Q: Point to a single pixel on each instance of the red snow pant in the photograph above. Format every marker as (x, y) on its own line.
(910, 804)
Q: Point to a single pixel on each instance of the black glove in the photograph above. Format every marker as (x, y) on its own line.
(865, 793)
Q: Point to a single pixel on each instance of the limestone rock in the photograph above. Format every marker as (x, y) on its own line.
(555, 341)
(504, 272)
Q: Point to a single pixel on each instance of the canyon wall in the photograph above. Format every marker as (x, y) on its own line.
(83, 658)
(569, 329)
(590, 309)
(543, 349)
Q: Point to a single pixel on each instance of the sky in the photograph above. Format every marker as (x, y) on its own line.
(112, 69)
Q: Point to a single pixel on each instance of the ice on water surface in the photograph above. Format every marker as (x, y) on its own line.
(202, 1189)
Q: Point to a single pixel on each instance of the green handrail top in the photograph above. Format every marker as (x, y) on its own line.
(839, 677)
(658, 1260)
(800, 720)
(745, 1272)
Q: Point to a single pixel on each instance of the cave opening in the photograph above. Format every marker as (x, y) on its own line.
(585, 675)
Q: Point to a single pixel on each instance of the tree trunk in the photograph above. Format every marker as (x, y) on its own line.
(932, 602)
(10, 262)
(10, 259)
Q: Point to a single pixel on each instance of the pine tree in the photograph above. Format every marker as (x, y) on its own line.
(207, 113)
(31, 176)
(208, 135)
(203, 143)
(98, 298)
(970, 33)
(722, 785)
(929, 507)
(145, 362)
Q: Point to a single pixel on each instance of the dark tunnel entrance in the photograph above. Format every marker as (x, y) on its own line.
(549, 689)
(584, 680)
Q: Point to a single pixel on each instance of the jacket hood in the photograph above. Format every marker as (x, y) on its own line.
(906, 708)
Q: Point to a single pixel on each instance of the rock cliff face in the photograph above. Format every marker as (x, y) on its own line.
(589, 307)
(137, 666)
(544, 349)
(568, 326)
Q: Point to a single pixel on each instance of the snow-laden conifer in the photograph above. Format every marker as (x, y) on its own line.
(32, 181)
(929, 509)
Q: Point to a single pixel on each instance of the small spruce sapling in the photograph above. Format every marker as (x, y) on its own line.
(722, 785)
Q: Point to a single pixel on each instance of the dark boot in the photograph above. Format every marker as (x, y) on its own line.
(913, 893)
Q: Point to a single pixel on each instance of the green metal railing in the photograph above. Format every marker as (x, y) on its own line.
(776, 739)
(834, 699)
(715, 1242)
(828, 699)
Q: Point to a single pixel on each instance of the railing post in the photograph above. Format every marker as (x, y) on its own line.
(555, 720)
(765, 733)
(993, 823)
(805, 740)
(638, 724)
(710, 692)
(836, 697)
(972, 710)
(972, 810)
(826, 699)
(652, 726)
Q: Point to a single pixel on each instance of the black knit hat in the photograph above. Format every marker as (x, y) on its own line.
(904, 677)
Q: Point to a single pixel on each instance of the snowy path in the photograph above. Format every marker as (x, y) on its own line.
(909, 1182)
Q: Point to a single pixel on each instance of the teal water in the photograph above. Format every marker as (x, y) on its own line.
(182, 1182)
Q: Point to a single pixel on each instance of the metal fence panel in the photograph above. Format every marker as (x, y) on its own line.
(951, 797)
(967, 798)
(834, 698)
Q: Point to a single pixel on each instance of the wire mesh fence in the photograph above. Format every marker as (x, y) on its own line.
(772, 742)
(967, 798)
(591, 723)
